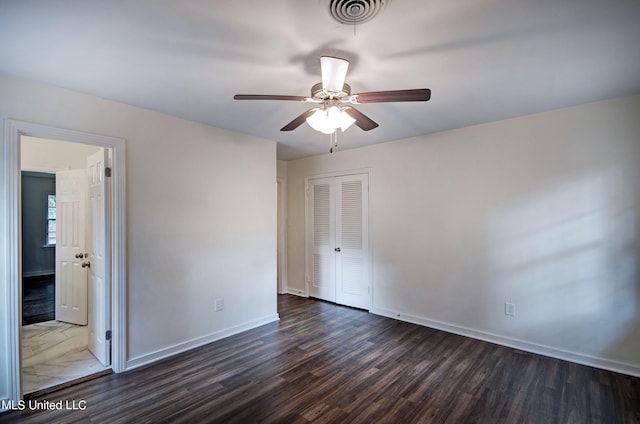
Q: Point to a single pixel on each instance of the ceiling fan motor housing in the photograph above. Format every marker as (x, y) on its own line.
(317, 91)
(354, 12)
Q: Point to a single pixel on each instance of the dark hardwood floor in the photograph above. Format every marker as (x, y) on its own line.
(38, 299)
(328, 363)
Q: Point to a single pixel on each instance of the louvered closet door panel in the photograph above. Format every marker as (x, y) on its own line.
(322, 284)
(352, 224)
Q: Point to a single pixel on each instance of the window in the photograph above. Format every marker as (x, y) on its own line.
(51, 219)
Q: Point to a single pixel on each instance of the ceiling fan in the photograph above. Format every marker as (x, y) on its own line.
(334, 99)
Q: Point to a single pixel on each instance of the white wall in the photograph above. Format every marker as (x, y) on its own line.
(542, 211)
(51, 156)
(281, 171)
(201, 209)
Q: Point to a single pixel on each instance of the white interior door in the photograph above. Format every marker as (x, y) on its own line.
(99, 277)
(322, 262)
(352, 240)
(71, 276)
(339, 231)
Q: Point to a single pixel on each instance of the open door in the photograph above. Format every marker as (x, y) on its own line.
(98, 247)
(71, 274)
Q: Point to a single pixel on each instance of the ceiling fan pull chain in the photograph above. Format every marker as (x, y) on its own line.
(333, 140)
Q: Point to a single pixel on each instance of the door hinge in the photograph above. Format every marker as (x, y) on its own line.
(107, 172)
(107, 335)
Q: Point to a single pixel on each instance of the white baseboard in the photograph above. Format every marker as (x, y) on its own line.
(565, 355)
(297, 292)
(200, 341)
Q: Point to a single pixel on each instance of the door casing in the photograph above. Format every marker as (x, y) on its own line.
(281, 185)
(11, 261)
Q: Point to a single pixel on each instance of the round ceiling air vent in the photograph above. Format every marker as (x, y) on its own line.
(353, 12)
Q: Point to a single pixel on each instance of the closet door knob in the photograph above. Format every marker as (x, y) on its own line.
(86, 264)
(337, 249)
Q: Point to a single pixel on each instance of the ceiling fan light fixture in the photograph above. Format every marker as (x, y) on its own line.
(319, 121)
(333, 114)
(334, 72)
(328, 120)
(345, 121)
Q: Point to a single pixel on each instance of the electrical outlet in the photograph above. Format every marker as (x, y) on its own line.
(510, 309)
(219, 304)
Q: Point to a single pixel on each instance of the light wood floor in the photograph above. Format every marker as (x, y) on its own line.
(327, 363)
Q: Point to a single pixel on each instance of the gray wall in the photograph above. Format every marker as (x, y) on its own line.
(37, 259)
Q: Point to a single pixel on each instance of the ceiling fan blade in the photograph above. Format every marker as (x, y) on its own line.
(299, 120)
(269, 97)
(334, 72)
(362, 120)
(416, 95)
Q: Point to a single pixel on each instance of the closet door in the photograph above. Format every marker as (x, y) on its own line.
(322, 262)
(338, 266)
(352, 241)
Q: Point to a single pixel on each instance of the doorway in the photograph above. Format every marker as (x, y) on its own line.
(338, 247)
(11, 269)
(281, 193)
(56, 254)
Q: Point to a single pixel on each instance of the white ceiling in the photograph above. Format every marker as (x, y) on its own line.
(484, 60)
